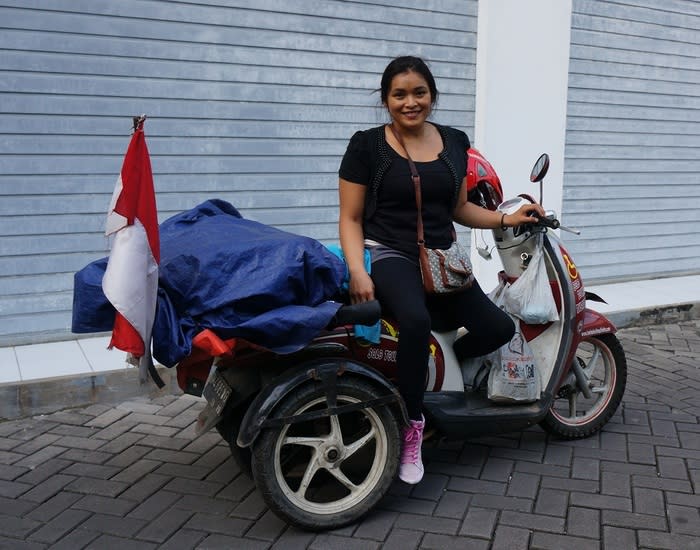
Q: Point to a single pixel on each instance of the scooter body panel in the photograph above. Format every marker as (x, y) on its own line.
(596, 323)
(382, 355)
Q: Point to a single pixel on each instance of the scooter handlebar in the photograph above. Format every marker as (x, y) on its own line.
(549, 220)
(545, 221)
(553, 223)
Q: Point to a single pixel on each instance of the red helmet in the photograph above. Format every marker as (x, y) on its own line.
(483, 185)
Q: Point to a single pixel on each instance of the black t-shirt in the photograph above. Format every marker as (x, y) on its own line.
(393, 222)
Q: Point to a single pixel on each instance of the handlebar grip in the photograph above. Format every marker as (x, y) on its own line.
(553, 223)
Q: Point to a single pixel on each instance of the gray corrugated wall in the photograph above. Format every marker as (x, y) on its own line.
(632, 170)
(251, 102)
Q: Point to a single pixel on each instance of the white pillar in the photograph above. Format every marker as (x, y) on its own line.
(522, 66)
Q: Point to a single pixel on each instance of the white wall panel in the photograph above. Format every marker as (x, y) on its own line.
(632, 171)
(249, 101)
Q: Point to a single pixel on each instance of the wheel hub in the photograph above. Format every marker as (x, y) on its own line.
(332, 454)
(565, 392)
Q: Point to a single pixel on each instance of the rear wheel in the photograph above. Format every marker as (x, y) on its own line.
(328, 472)
(573, 416)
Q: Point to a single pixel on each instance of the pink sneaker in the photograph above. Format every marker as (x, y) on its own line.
(411, 469)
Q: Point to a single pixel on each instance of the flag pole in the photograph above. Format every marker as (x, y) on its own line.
(138, 122)
(130, 281)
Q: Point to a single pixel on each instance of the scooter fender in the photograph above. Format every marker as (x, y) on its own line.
(596, 323)
(324, 370)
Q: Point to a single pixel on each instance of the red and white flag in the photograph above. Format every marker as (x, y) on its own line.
(130, 282)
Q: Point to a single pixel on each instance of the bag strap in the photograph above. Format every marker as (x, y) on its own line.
(415, 176)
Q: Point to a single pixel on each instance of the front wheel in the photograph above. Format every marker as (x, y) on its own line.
(328, 472)
(573, 416)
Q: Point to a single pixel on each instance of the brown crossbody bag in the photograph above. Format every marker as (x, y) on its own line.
(443, 271)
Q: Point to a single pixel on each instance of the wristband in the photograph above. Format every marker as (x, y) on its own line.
(503, 225)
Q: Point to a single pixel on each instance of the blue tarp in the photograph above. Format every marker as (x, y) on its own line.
(238, 277)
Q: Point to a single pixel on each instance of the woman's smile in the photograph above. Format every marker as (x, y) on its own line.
(409, 100)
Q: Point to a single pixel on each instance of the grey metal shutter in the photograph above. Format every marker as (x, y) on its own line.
(632, 169)
(250, 102)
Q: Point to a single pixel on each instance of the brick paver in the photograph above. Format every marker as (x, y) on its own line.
(131, 476)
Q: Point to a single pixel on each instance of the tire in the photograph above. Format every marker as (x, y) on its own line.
(572, 416)
(327, 473)
(229, 427)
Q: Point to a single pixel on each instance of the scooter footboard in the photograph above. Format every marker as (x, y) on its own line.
(459, 418)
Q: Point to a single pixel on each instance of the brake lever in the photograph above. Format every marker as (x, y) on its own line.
(569, 229)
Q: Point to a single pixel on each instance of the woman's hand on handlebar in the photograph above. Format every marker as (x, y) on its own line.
(361, 287)
(528, 213)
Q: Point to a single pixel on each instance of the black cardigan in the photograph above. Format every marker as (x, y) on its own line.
(373, 143)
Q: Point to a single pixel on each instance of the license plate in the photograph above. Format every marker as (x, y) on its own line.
(217, 392)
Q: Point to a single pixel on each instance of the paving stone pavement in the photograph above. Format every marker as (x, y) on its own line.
(132, 476)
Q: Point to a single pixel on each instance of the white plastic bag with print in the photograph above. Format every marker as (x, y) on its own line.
(513, 377)
(530, 296)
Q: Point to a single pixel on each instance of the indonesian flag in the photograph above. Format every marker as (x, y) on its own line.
(130, 282)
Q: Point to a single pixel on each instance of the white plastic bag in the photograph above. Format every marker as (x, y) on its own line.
(530, 296)
(513, 377)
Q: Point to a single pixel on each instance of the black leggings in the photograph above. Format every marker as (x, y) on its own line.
(399, 289)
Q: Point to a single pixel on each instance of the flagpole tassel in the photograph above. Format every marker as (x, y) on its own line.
(138, 122)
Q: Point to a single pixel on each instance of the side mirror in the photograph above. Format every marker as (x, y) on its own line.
(539, 170)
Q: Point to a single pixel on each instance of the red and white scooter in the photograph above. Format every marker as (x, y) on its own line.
(320, 429)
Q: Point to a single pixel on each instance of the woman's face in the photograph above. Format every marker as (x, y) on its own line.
(409, 100)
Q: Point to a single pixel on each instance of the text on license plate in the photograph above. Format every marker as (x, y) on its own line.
(216, 392)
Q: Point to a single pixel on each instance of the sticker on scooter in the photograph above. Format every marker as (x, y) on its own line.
(571, 266)
(380, 354)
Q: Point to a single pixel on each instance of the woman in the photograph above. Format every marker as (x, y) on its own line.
(378, 211)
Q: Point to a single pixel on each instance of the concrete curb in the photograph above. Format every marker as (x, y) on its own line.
(664, 315)
(33, 398)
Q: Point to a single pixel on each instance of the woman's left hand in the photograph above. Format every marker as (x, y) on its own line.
(522, 215)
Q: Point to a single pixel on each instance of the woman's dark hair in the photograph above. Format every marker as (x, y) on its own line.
(404, 64)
